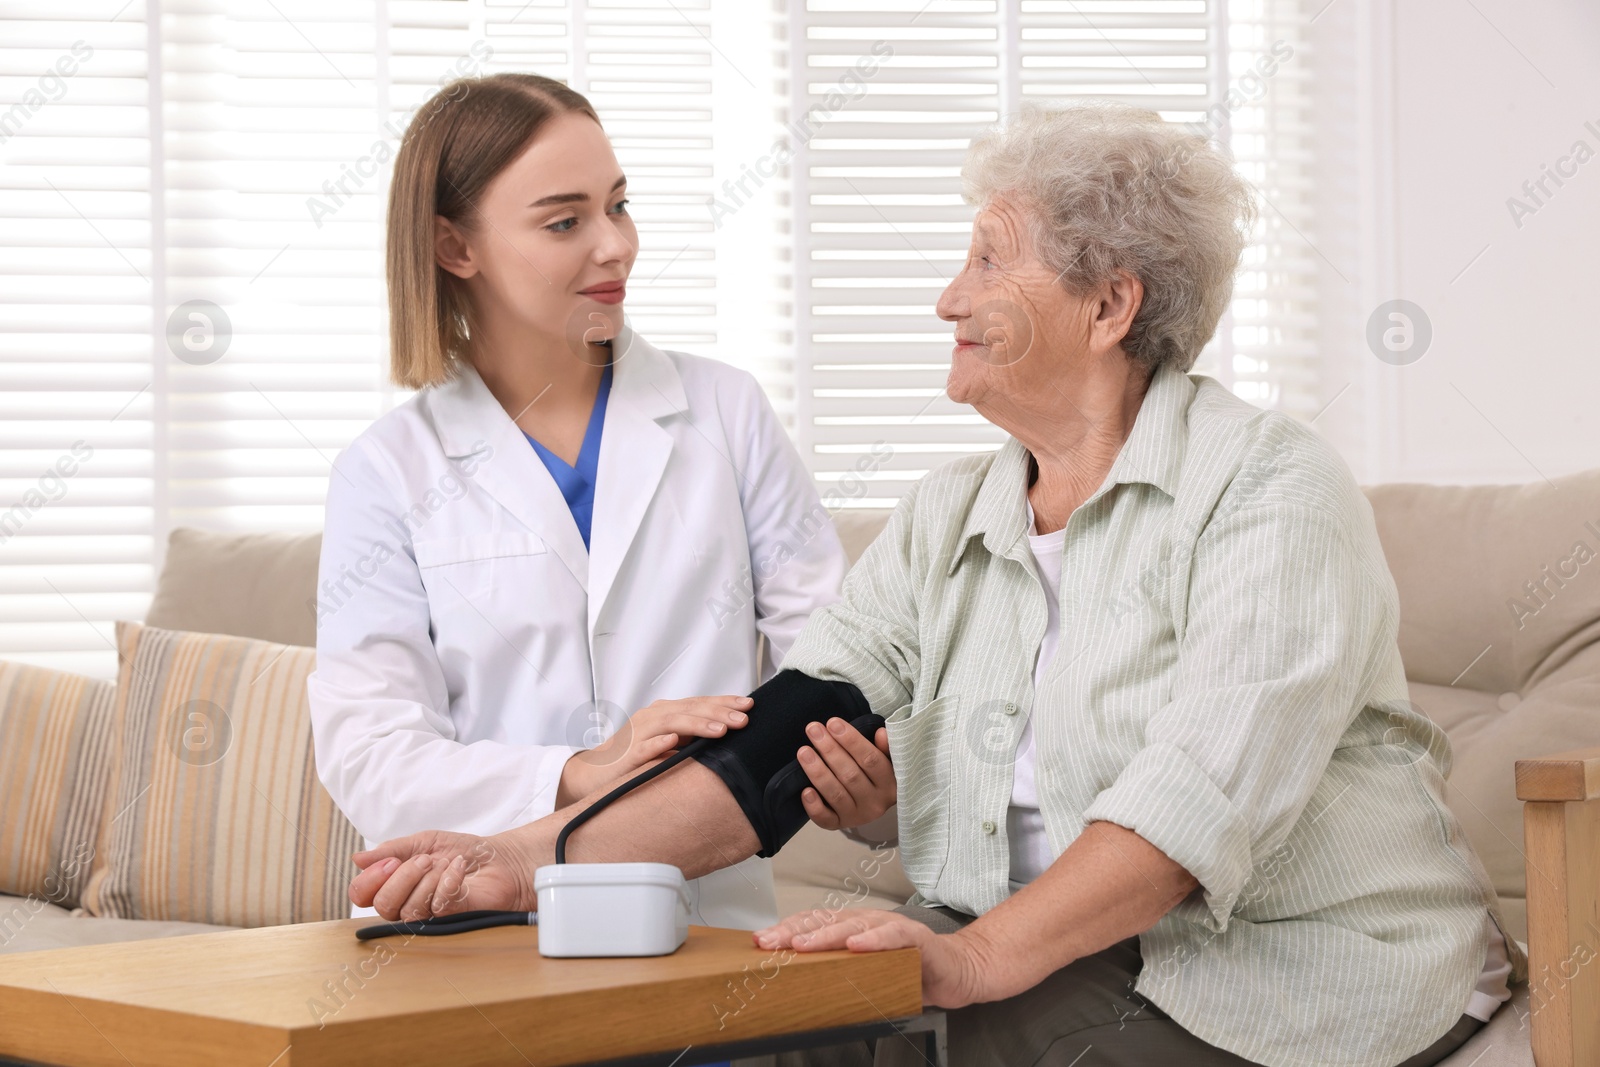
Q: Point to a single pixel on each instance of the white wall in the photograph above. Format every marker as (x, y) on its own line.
(1436, 112)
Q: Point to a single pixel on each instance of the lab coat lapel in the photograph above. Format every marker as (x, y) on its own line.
(634, 452)
(468, 418)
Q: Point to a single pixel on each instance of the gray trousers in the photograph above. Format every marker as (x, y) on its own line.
(1084, 1015)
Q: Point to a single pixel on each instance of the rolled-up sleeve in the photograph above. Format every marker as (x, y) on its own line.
(869, 637)
(1288, 616)
(797, 562)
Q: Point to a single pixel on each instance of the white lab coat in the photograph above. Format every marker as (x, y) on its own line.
(468, 644)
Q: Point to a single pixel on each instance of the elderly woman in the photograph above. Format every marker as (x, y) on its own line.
(1159, 786)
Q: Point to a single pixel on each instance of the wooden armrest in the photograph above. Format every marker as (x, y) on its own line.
(1573, 775)
(1561, 828)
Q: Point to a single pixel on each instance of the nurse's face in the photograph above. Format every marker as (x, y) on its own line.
(554, 243)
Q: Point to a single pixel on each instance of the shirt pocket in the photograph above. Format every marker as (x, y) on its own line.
(919, 744)
(477, 565)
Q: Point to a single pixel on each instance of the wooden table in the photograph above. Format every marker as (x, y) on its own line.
(311, 994)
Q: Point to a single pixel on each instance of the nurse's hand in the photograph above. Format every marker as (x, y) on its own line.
(651, 733)
(852, 779)
(438, 872)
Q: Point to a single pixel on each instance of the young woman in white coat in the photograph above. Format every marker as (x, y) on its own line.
(532, 566)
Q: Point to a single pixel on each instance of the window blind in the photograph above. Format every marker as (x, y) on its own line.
(881, 227)
(76, 330)
(193, 323)
(192, 198)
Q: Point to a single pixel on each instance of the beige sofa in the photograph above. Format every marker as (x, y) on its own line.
(1500, 633)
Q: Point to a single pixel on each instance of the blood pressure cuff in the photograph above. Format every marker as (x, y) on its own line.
(757, 761)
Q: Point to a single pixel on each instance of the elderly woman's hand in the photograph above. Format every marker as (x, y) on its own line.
(853, 779)
(438, 872)
(953, 967)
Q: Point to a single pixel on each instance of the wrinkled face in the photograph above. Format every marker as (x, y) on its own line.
(1016, 326)
(554, 243)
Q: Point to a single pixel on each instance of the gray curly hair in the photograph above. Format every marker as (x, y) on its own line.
(1108, 187)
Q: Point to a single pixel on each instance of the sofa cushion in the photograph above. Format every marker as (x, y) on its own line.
(858, 528)
(56, 752)
(220, 815)
(824, 869)
(29, 924)
(1499, 584)
(1481, 789)
(1500, 634)
(259, 585)
(1503, 1042)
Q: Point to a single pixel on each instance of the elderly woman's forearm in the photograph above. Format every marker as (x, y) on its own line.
(686, 817)
(1108, 885)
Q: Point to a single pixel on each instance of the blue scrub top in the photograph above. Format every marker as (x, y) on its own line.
(577, 483)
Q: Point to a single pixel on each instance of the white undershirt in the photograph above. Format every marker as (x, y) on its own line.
(1030, 848)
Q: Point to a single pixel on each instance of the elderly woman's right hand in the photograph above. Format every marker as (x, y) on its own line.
(438, 872)
(852, 778)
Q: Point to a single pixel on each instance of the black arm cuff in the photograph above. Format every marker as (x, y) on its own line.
(757, 761)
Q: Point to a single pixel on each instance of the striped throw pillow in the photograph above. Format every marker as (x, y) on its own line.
(217, 815)
(57, 748)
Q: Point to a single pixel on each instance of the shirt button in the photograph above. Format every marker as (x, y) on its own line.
(988, 826)
(1011, 709)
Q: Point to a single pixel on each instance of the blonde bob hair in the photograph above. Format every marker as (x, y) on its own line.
(465, 135)
(1109, 187)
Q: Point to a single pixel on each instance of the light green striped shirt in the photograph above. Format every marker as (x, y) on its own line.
(1227, 685)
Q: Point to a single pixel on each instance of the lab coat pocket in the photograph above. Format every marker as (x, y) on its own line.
(476, 566)
(919, 744)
